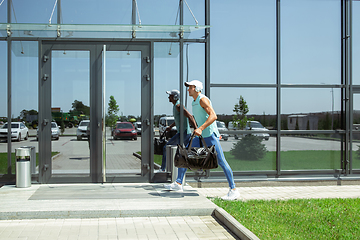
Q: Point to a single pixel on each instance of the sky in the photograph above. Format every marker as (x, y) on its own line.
(242, 51)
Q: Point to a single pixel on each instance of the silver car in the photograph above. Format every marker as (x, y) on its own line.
(55, 131)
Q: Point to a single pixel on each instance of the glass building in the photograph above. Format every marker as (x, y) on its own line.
(292, 61)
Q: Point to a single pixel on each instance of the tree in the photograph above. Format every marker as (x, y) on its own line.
(113, 109)
(241, 109)
(78, 107)
(250, 146)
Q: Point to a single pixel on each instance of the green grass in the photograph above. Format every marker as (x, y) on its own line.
(297, 219)
(3, 162)
(290, 160)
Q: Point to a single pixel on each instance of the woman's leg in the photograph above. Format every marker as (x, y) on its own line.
(213, 140)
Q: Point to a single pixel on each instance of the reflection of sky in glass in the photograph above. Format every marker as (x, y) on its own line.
(70, 78)
(242, 51)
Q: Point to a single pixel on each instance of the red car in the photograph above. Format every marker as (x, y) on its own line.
(124, 130)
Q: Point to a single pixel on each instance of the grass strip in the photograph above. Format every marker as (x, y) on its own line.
(291, 160)
(3, 162)
(298, 218)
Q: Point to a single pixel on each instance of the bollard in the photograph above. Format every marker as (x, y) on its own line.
(23, 174)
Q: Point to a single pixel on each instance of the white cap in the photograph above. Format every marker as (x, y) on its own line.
(175, 93)
(198, 85)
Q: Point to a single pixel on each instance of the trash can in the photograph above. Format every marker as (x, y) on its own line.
(170, 166)
(32, 158)
(23, 174)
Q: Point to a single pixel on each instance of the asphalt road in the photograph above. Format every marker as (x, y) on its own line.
(70, 144)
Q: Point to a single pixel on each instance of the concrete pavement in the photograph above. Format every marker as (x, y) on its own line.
(135, 211)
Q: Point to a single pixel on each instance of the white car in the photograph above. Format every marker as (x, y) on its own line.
(254, 126)
(82, 129)
(18, 131)
(164, 122)
(221, 127)
(137, 126)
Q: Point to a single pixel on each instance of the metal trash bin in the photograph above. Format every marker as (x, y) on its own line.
(23, 174)
(170, 166)
(32, 158)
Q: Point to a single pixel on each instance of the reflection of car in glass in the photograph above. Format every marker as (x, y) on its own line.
(124, 130)
(55, 131)
(164, 122)
(254, 126)
(18, 131)
(137, 126)
(82, 129)
(221, 127)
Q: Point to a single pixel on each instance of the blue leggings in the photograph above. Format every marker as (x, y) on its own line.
(212, 140)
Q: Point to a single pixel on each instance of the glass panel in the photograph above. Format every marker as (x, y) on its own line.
(356, 132)
(311, 46)
(356, 42)
(70, 100)
(3, 12)
(261, 104)
(255, 152)
(31, 30)
(247, 53)
(315, 151)
(299, 111)
(24, 95)
(3, 107)
(38, 11)
(123, 88)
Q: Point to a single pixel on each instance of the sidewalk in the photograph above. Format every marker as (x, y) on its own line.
(131, 211)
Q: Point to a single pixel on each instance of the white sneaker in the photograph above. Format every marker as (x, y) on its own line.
(174, 187)
(231, 195)
(159, 171)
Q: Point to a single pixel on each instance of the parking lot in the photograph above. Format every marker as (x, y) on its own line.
(69, 144)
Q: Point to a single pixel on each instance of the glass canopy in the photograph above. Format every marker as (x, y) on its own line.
(97, 30)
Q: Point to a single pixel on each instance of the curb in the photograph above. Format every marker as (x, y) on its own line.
(233, 225)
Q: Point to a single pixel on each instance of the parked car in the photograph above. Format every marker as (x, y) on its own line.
(55, 131)
(82, 129)
(18, 131)
(164, 122)
(221, 127)
(257, 126)
(124, 130)
(137, 126)
(254, 126)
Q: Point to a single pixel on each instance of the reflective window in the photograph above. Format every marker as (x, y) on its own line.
(24, 93)
(310, 109)
(3, 100)
(3, 12)
(356, 42)
(260, 101)
(310, 152)
(70, 106)
(310, 46)
(35, 11)
(243, 42)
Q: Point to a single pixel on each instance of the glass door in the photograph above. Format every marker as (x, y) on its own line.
(95, 112)
(127, 113)
(70, 112)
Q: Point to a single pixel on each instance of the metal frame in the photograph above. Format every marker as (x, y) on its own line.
(96, 113)
(346, 87)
